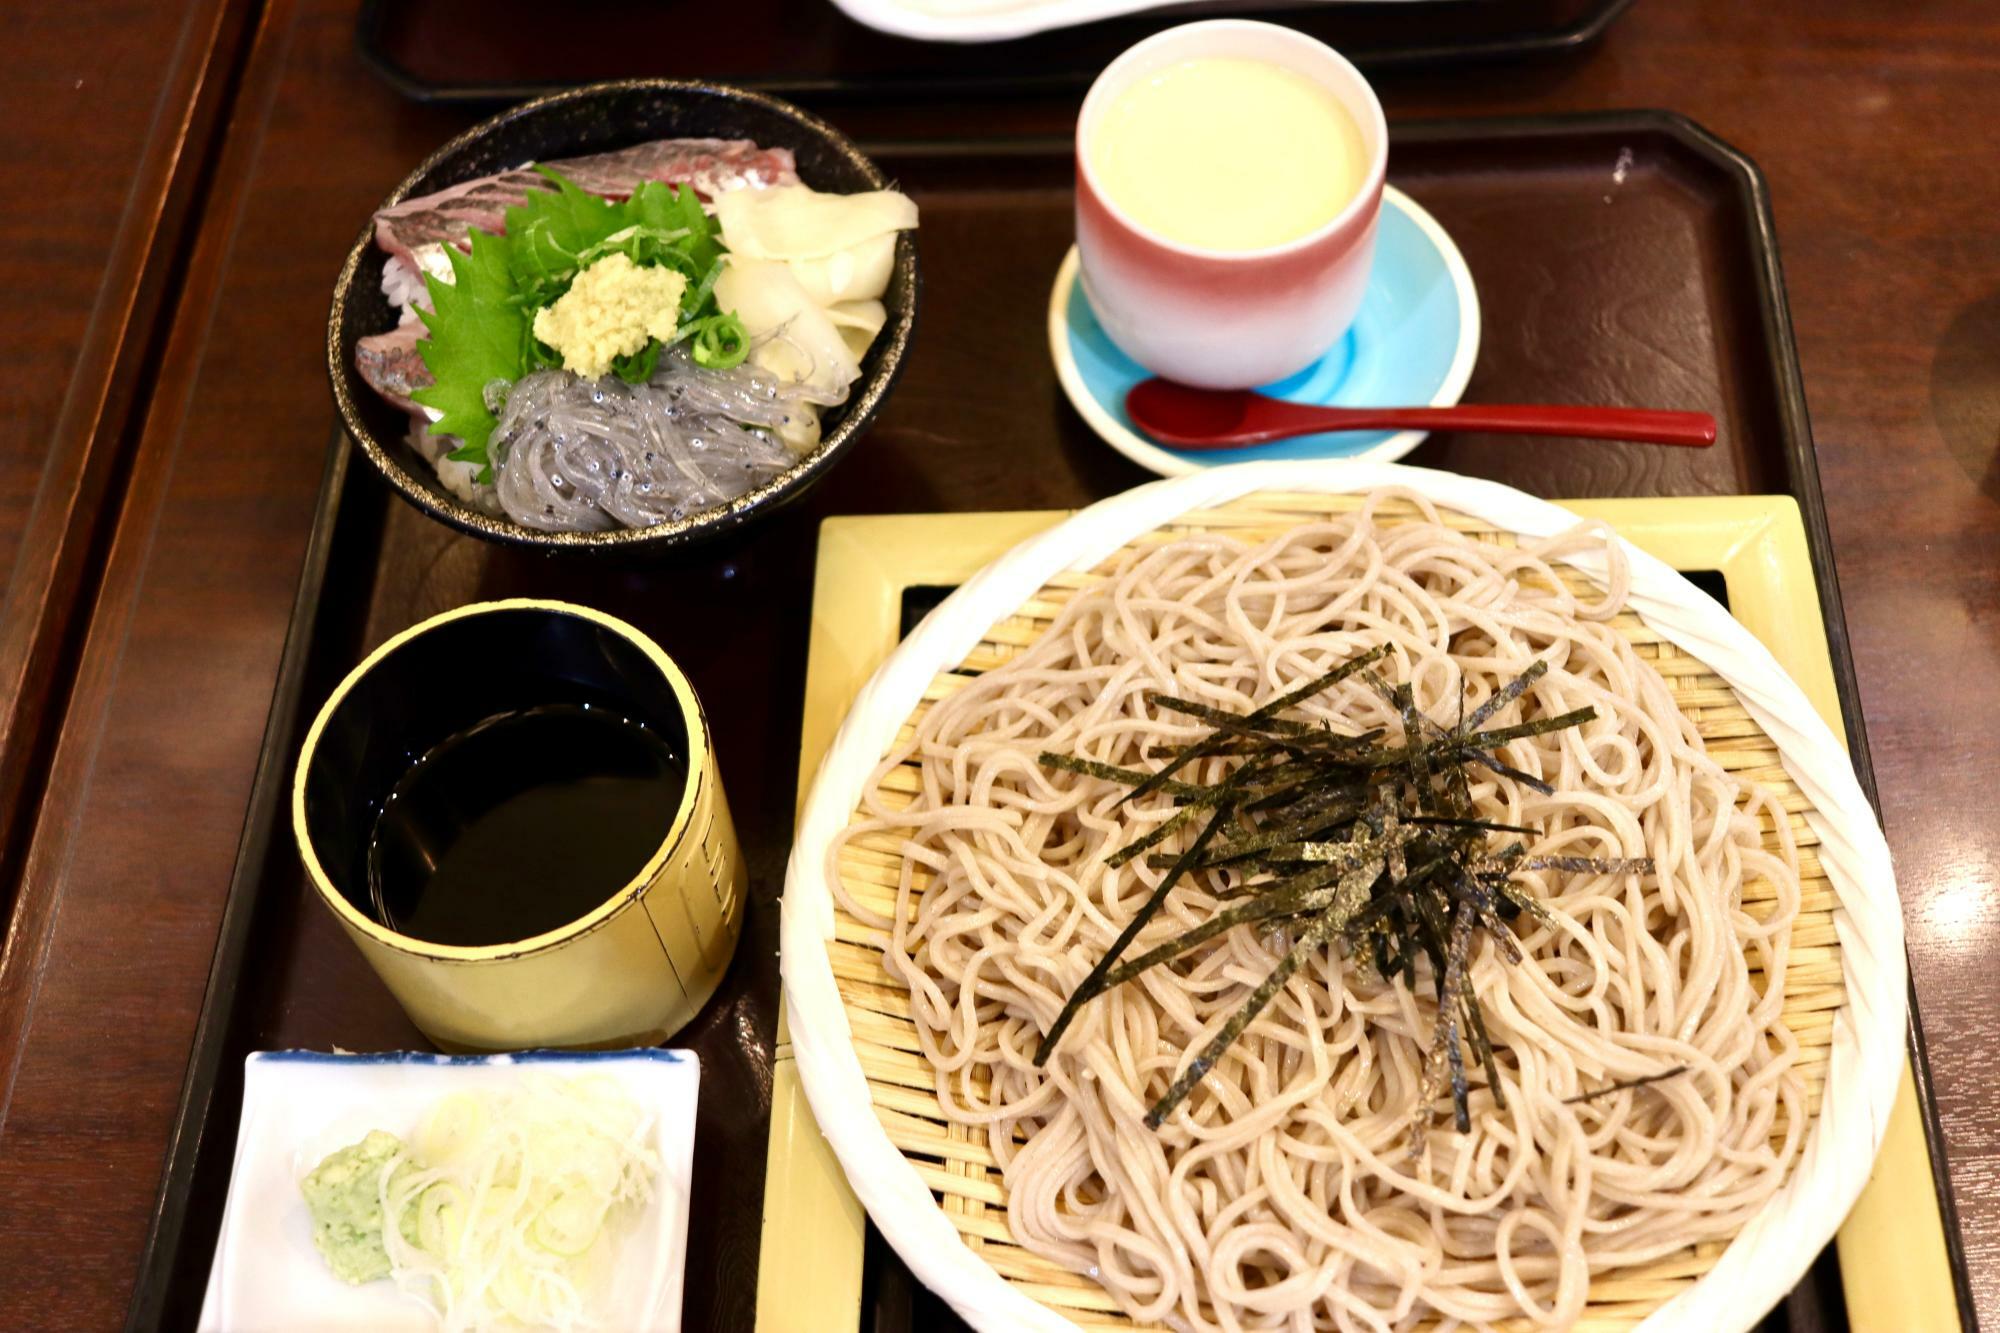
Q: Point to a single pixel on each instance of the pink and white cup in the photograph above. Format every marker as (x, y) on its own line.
(1229, 319)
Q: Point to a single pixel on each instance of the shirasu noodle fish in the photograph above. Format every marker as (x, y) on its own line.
(576, 454)
(1283, 1193)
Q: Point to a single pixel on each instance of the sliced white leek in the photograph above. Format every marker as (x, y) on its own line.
(518, 1197)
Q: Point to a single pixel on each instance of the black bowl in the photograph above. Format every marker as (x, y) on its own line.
(593, 119)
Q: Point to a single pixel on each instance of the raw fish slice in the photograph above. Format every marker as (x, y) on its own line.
(461, 479)
(391, 365)
(712, 166)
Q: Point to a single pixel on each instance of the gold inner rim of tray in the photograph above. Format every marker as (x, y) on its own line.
(955, 1161)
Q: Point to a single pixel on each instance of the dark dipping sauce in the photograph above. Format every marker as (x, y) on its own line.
(521, 824)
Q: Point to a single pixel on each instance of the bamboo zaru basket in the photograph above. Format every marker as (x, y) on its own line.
(1843, 999)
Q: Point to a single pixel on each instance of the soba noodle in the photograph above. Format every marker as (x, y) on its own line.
(1284, 1193)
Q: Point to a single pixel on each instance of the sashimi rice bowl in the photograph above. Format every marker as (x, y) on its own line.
(634, 313)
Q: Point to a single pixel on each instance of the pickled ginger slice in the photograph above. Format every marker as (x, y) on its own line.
(790, 335)
(858, 273)
(858, 322)
(798, 222)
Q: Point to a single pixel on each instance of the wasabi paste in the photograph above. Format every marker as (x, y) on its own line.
(344, 1193)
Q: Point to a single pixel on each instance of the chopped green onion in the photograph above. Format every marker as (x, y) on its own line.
(638, 367)
(720, 342)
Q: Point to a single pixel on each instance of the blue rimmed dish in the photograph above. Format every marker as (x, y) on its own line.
(1413, 343)
(298, 1106)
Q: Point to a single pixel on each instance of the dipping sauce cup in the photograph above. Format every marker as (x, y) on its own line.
(631, 969)
(1220, 318)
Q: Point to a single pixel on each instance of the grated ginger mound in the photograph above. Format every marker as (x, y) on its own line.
(611, 310)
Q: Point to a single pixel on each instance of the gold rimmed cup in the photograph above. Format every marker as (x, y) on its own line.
(629, 971)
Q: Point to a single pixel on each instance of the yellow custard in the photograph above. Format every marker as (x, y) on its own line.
(1228, 154)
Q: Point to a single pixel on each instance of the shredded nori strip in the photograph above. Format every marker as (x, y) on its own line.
(1214, 744)
(1248, 724)
(1224, 799)
(1094, 980)
(1503, 696)
(1528, 780)
(1626, 1085)
(1632, 865)
(1541, 726)
(1485, 825)
(1091, 768)
(1311, 938)
(1308, 893)
(1323, 819)
(1159, 835)
(1344, 837)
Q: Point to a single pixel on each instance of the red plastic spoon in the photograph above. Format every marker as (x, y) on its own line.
(1187, 418)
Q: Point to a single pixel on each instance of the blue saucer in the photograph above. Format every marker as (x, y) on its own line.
(1413, 343)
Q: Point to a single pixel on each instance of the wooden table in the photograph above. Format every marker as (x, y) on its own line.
(109, 113)
(1870, 120)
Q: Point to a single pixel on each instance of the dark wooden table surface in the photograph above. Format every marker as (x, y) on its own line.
(190, 495)
(108, 111)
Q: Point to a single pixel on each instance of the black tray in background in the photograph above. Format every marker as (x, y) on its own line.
(489, 52)
(1665, 288)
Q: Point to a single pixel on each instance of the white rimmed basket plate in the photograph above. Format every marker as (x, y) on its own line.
(1866, 1055)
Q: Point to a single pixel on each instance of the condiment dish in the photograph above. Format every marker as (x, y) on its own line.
(300, 1105)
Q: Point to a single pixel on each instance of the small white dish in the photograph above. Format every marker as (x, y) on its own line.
(1413, 343)
(298, 1106)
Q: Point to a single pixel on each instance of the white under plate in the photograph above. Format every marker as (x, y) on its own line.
(298, 1106)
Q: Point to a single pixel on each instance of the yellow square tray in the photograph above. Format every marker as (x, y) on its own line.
(1894, 1267)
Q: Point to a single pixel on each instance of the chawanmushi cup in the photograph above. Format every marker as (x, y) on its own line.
(630, 971)
(1228, 319)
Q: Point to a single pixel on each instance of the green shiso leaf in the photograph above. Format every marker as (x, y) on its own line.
(549, 232)
(481, 325)
(477, 332)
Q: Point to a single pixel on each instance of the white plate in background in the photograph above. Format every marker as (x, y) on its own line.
(1000, 20)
